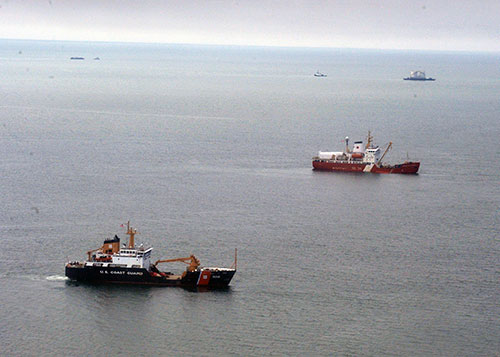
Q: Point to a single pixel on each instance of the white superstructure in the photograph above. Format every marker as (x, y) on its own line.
(133, 257)
(372, 155)
(360, 153)
(417, 74)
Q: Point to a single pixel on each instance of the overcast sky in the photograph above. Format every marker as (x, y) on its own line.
(400, 24)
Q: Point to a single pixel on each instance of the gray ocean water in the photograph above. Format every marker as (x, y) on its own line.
(206, 149)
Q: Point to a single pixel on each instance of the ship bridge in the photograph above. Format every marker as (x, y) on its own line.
(372, 155)
(133, 257)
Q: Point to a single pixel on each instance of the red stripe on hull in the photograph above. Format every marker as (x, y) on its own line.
(204, 278)
(328, 165)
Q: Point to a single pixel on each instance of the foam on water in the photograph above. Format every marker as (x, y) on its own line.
(56, 278)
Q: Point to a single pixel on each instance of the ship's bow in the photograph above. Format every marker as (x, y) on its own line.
(209, 278)
(410, 167)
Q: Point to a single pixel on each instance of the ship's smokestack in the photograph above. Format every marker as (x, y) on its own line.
(346, 144)
(358, 147)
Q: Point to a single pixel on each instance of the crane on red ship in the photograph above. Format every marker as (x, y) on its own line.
(385, 152)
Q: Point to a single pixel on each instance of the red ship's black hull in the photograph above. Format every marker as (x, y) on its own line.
(331, 165)
(211, 279)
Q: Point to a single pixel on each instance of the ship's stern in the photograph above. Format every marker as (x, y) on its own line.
(75, 271)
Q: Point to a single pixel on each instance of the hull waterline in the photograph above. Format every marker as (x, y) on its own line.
(331, 165)
(208, 278)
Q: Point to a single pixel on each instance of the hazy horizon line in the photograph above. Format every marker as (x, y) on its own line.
(256, 45)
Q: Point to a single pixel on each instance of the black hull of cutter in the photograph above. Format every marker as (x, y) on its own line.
(210, 278)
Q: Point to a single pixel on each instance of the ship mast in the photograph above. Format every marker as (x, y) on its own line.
(131, 232)
(234, 265)
(369, 140)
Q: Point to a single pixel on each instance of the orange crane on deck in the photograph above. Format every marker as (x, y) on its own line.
(192, 261)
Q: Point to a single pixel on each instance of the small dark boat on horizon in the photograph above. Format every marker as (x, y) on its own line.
(319, 74)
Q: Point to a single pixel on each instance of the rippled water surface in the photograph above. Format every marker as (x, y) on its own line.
(207, 149)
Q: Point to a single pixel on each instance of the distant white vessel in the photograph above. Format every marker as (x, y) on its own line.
(418, 76)
(319, 74)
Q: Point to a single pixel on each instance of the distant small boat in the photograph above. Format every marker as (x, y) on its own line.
(77, 58)
(418, 76)
(319, 74)
(96, 58)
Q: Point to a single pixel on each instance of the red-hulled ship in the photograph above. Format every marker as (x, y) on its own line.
(361, 159)
(132, 265)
